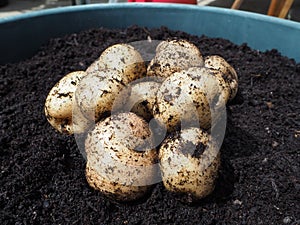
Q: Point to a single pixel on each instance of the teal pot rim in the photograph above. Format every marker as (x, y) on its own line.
(23, 34)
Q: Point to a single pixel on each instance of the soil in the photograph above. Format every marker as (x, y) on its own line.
(42, 171)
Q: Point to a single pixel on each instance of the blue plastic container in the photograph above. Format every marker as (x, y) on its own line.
(21, 36)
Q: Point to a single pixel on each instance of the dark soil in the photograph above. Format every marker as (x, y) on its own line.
(42, 171)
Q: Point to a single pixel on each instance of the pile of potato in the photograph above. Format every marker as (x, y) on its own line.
(117, 100)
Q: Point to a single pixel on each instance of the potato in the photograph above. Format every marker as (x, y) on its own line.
(59, 103)
(120, 161)
(123, 58)
(222, 69)
(187, 98)
(173, 56)
(189, 163)
(142, 98)
(97, 92)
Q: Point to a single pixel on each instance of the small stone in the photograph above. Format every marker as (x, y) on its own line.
(297, 133)
(270, 105)
(46, 204)
(253, 102)
(275, 144)
(265, 160)
(287, 220)
(237, 202)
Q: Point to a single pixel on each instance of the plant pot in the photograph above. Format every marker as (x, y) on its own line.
(193, 2)
(22, 35)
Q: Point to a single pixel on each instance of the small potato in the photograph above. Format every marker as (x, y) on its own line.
(143, 97)
(221, 68)
(123, 58)
(59, 102)
(189, 163)
(186, 98)
(120, 160)
(173, 56)
(97, 92)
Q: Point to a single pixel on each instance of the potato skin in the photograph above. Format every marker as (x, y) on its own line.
(123, 58)
(223, 69)
(185, 99)
(120, 161)
(113, 190)
(97, 92)
(59, 102)
(143, 98)
(173, 56)
(185, 171)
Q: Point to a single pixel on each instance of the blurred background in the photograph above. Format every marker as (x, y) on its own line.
(14, 7)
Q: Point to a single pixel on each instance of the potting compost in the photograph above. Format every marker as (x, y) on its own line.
(42, 179)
